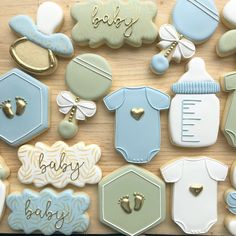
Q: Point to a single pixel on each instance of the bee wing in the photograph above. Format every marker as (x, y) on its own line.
(187, 48)
(177, 56)
(85, 109)
(164, 44)
(168, 33)
(65, 101)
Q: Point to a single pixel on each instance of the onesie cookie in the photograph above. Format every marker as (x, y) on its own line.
(88, 78)
(59, 164)
(132, 200)
(24, 107)
(114, 22)
(40, 40)
(189, 115)
(193, 22)
(228, 14)
(137, 134)
(195, 184)
(48, 211)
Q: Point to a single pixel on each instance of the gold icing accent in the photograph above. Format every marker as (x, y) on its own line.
(7, 109)
(137, 113)
(20, 106)
(125, 204)
(196, 189)
(138, 201)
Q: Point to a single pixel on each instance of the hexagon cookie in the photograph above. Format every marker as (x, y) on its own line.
(132, 200)
(23, 107)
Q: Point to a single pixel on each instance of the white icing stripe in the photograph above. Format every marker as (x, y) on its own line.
(205, 9)
(93, 68)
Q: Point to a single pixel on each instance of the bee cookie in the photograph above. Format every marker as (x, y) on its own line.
(88, 78)
(194, 185)
(40, 40)
(137, 109)
(59, 164)
(48, 211)
(114, 22)
(189, 115)
(228, 16)
(192, 22)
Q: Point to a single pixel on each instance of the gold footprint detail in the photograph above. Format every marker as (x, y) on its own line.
(7, 109)
(138, 201)
(20, 106)
(125, 204)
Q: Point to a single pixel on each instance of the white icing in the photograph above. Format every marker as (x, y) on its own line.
(230, 224)
(49, 17)
(3, 194)
(229, 13)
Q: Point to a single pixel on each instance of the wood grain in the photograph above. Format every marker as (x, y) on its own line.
(130, 68)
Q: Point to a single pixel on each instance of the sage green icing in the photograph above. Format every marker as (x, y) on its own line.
(67, 129)
(226, 46)
(89, 76)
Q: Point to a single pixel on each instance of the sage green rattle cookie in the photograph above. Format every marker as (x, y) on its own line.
(88, 78)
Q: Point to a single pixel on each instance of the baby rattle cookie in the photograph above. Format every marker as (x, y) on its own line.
(48, 211)
(189, 115)
(40, 40)
(59, 164)
(114, 22)
(228, 16)
(24, 107)
(137, 109)
(195, 184)
(88, 78)
(193, 22)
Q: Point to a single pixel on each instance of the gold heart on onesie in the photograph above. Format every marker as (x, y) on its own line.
(137, 113)
(196, 189)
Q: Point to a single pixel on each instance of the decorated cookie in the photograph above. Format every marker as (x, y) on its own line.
(48, 211)
(228, 14)
(24, 104)
(233, 174)
(59, 164)
(230, 199)
(230, 224)
(132, 200)
(193, 22)
(88, 78)
(40, 40)
(137, 110)
(195, 185)
(114, 22)
(189, 115)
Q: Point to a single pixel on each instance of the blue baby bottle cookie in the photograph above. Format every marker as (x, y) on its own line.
(137, 109)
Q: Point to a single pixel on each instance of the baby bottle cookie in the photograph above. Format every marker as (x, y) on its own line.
(88, 78)
(35, 51)
(193, 22)
(190, 122)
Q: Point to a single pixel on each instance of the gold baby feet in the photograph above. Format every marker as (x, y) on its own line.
(20, 106)
(138, 201)
(7, 109)
(125, 204)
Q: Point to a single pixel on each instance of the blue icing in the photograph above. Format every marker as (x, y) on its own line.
(138, 140)
(34, 121)
(59, 43)
(231, 202)
(63, 212)
(197, 20)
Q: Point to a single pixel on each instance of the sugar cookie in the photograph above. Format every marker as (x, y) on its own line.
(48, 211)
(40, 40)
(24, 107)
(132, 200)
(228, 14)
(137, 109)
(230, 224)
(59, 164)
(193, 22)
(88, 77)
(233, 174)
(230, 200)
(114, 22)
(189, 117)
(195, 184)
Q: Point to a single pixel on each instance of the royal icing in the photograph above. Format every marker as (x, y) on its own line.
(88, 77)
(226, 45)
(230, 200)
(228, 14)
(230, 224)
(24, 110)
(40, 39)
(59, 164)
(137, 134)
(189, 117)
(114, 23)
(48, 211)
(127, 196)
(195, 184)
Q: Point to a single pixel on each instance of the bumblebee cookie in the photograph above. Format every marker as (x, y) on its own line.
(114, 22)
(59, 164)
(48, 211)
(40, 40)
(88, 78)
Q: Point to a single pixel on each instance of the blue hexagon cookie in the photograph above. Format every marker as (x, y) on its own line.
(24, 105)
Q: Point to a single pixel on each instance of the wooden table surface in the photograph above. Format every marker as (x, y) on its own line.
(130, 68)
